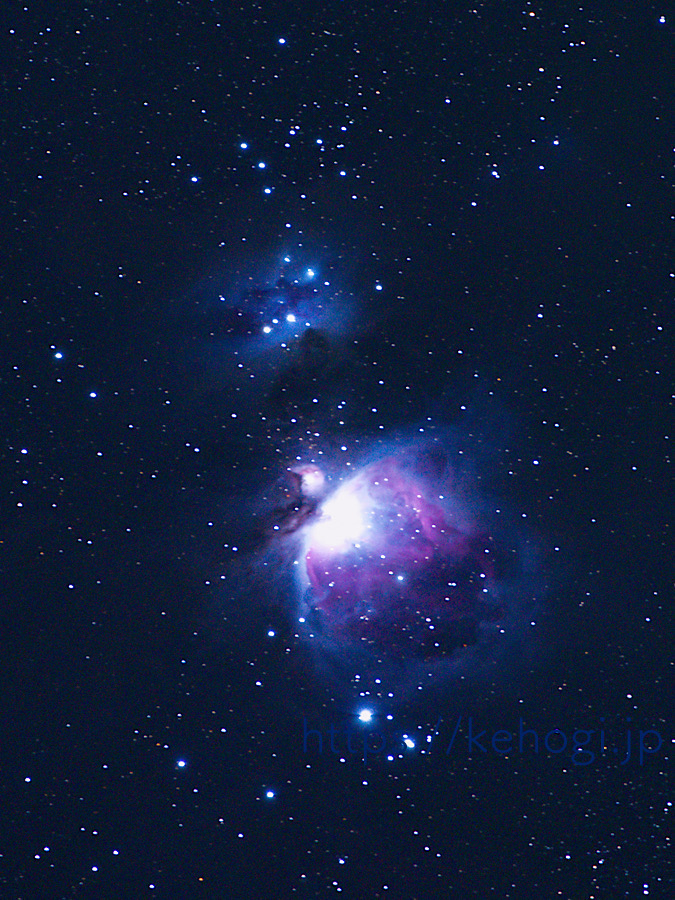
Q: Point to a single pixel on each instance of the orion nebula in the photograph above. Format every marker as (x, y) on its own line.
(379, 542)
(386, 565)
(395, 567)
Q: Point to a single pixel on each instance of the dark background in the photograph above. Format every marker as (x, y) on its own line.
(539, 299)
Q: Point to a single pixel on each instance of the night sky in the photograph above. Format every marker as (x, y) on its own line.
(336, 397)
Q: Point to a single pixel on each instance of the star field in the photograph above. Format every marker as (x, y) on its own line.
(337, 394)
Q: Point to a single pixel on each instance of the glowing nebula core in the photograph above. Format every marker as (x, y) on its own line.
(391, 566)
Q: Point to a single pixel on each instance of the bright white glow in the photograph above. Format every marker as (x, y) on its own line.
(310, 273)
(409, 742)
(290, 318)
(312, 479)
(58, 355)
(342, 522)
(267, 329)
(269, 795)
(365, 715)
